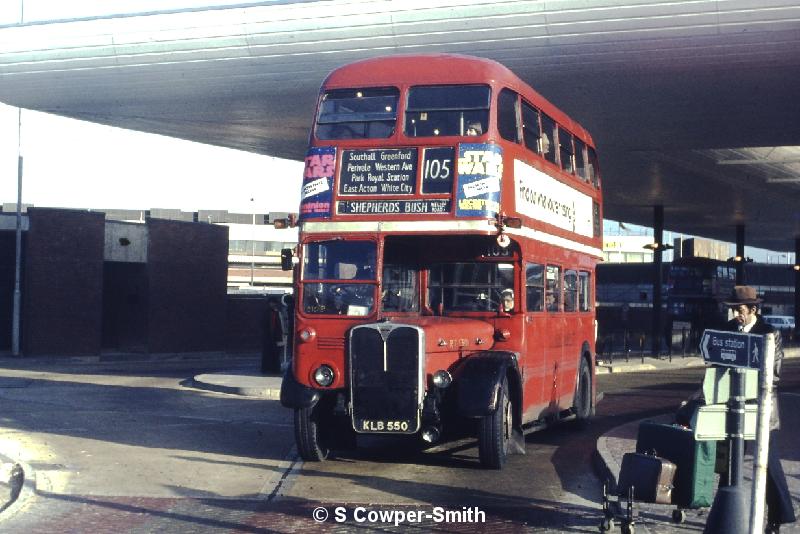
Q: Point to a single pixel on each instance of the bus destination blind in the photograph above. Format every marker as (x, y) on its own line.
(387, 171)
(393, 207)
(391, 173)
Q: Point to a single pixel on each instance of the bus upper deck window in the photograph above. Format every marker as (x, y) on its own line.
(357, 113)
(580, 159)
(594, 168)
(439, 110)
(507, 115)
(566, 150)
(530, 127)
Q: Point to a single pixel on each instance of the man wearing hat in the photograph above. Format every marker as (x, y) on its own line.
(744, 304)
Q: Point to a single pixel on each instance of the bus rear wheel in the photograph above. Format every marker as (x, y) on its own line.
(309, 434)
(583, 394)
(494, 432)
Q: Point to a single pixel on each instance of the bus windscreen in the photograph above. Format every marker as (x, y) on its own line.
(447, 110)
(357, 113)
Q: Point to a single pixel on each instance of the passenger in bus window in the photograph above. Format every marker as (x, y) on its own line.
(474, 129)
(544, 144)
(550, 301)
(508, 300)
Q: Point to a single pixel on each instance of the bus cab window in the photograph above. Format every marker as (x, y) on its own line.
(441, 110)
(339, 260)
(357, 113)
(337, 276)
(325, 298)
(400, 292)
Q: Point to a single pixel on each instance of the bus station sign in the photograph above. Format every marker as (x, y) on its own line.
(732, 349)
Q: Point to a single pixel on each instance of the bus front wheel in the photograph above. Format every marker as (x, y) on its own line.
(309, 434)
(494, 432)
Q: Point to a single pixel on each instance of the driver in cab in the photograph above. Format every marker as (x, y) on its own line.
(507, 300)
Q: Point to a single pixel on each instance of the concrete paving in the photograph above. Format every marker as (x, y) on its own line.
(16, 478)
(612, 445)
(244, 382)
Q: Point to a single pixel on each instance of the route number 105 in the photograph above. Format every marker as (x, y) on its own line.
(437, 170)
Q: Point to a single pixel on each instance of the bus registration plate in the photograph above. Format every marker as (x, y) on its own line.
(372, 425)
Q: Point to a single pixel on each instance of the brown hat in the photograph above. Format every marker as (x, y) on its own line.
(742, 295)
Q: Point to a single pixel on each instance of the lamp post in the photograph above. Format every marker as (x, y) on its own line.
(15, 323)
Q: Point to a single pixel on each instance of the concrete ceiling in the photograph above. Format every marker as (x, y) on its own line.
(693, 104)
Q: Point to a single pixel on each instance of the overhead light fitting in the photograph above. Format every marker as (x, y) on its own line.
(657, 246)
(739, 259)
(756, 161)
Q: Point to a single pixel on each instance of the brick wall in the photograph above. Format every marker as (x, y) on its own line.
(245, 322)
(62, 293)
(187, 276)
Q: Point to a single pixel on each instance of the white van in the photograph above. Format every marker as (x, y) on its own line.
(781, 322)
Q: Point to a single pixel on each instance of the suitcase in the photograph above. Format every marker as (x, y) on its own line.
(694, 477)
(650, 477)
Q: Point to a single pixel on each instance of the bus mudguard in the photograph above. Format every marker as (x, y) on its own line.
(296, 395)
(479, 378)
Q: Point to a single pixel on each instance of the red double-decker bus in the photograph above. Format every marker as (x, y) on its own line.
(450, 224)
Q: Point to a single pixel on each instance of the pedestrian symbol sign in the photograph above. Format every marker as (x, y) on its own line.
(732, 349)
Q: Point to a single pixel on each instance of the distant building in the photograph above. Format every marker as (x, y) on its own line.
(89, 285)
(698, 247)
(627, 249)
(254, 245)
(627, 243)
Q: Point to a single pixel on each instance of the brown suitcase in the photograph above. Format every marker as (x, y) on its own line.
(650, 476)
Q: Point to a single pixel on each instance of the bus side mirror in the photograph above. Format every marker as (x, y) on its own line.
(286, 259)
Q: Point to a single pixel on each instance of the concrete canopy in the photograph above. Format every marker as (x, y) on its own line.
(693, 104)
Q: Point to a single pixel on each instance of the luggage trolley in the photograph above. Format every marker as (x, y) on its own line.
(695, 461)
(612, 512)
(658, 446)
(642, 477)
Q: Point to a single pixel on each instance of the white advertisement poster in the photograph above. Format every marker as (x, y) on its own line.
(542, 197)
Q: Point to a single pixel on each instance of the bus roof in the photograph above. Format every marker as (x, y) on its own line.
(422, 69)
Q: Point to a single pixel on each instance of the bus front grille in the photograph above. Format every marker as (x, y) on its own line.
(386, 377)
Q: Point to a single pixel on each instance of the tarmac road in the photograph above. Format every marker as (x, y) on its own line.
(125, 447)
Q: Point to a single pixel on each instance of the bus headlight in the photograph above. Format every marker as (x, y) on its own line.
(502, 334)
(442, 379)
(323, 376)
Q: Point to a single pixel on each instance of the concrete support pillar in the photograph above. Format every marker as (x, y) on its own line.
(658, 277)
(740, 259)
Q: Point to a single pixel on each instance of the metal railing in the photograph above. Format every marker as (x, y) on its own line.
(627, 344)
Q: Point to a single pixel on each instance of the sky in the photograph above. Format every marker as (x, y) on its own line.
(75, 164)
